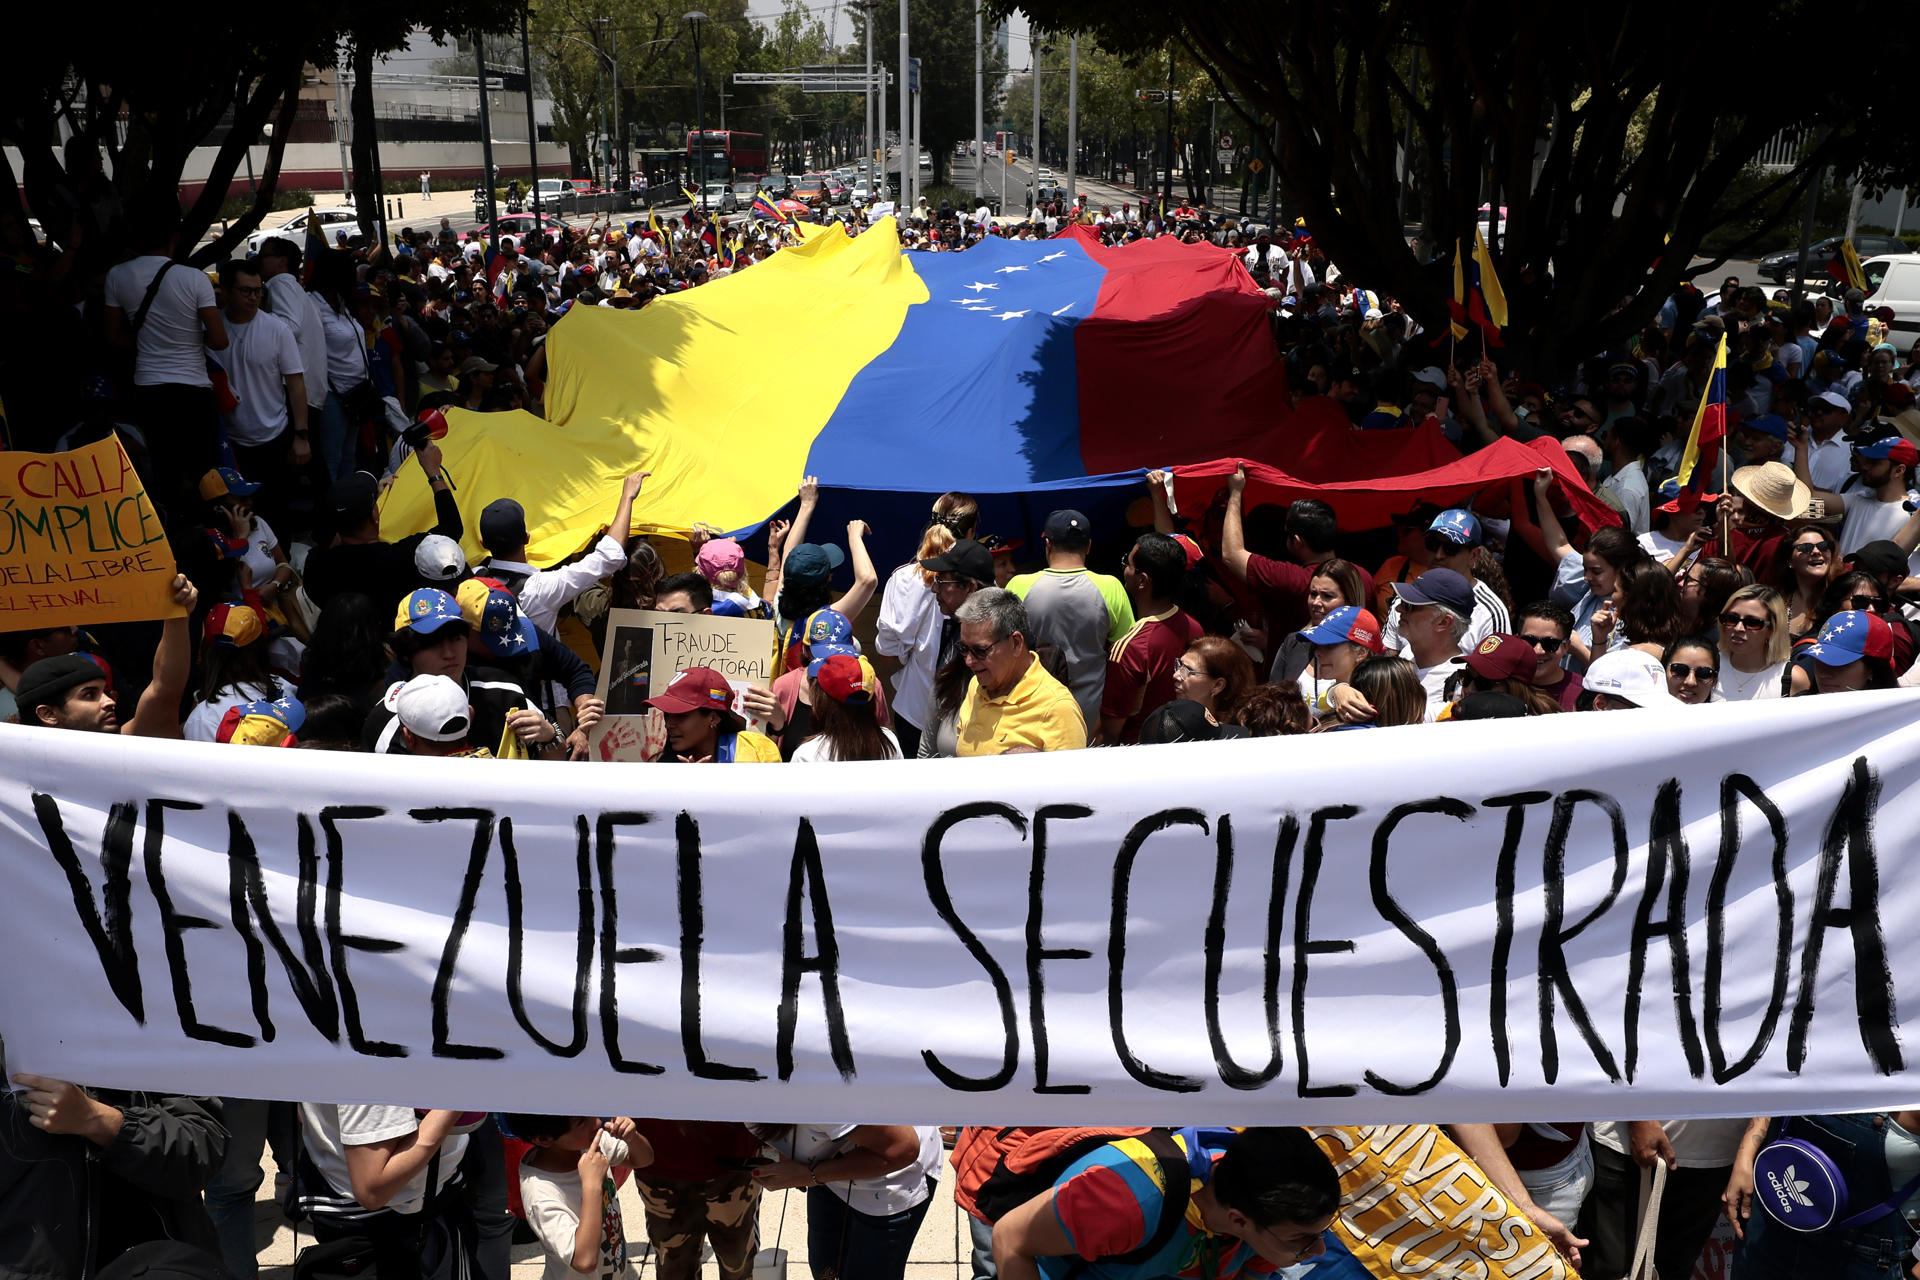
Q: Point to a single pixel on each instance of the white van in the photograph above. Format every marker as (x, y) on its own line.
(1893, 280)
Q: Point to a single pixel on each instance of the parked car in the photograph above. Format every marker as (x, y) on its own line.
(926, 160)
(1893, 280)
(838, 192)
(1779, 267)
(339, 218)
(811, 187)
(718, 197)
(518, 225)
(777, 185)
(1045, 175)
(744, 190)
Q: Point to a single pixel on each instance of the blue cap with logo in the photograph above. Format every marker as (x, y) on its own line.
(1458, 526)
(427, 610)
(504, 630)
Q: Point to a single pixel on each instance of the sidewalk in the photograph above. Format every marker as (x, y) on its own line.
(943, 1250)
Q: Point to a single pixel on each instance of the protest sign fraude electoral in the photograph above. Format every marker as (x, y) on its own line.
(79, 541)
(1651, 915)
(647, 648)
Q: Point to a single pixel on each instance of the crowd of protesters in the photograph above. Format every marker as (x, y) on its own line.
(268, 403)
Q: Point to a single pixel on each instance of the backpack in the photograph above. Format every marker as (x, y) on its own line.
(996, 1170)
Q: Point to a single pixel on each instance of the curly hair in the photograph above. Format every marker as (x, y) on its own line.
(1274, 710)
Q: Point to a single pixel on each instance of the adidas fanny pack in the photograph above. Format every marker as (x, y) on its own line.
(1801, 1188)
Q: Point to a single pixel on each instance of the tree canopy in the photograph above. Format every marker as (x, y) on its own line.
(1616, 138)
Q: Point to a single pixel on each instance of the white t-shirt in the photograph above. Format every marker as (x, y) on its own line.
(295, 307)
(329, 1129)
(259, 557)
(171, 346)
(259, 357)
(1658, 545)
(880, 1197)
(1869, 520)
(814, 750)
(1697, 1144)
(203, 722)
(1737, 686)
(1434, 680)
(552, 1203)
(347, 365)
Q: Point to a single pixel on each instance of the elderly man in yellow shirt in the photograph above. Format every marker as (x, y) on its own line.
(1013, 705)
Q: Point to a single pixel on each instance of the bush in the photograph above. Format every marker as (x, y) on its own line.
(293, 198)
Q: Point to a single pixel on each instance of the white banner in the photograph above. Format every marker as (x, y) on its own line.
(1633, 915)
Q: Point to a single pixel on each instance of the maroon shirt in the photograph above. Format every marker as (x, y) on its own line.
(1567, 690)
(1282, 588)
(1140, 668)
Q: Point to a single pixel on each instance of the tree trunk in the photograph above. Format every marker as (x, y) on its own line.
(366, 191)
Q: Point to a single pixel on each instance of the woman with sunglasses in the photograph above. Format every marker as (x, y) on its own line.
(1693, 669)
(1753, 644)
(1811, 568)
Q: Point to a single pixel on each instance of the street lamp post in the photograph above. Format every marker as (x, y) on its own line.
(694, 19)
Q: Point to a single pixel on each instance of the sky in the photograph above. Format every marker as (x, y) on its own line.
(767, 10)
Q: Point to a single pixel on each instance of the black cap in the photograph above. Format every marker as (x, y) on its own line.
(1881, 559)
(1067, 526)
(503, 526)
(351, 497)
(967, 558)
(47, 681)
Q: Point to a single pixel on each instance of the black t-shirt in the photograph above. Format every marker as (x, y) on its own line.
(382, 571)
(491, 693)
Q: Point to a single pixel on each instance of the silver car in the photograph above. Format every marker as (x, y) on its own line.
(719, 198)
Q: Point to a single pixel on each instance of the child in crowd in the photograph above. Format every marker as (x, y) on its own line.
(568, 1193)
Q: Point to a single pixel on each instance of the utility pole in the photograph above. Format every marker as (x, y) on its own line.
(533, 130)
(1033, 41)
(1166, 192)
(873, 192)
(906, 116)
(979, 104)
(619, 127)
(486, 134)
(340, 121)
(694, 20)
(1073, 118)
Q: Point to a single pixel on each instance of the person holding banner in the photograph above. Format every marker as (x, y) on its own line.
(868, 1188)
(73, 691)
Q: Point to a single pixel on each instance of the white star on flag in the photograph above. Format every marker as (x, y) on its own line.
(1004, 270)
(977, 286)
(1010, 315)
(1064, 310)
(1058, 254)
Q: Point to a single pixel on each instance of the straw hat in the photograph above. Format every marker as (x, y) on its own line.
(1773, 488)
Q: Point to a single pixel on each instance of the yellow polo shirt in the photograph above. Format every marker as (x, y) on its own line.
(1038, 712)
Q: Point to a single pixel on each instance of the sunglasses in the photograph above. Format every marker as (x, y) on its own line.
(1745, 623)
(1800, 548)
(1705, 675)
(1545, 644)
(950, 582)
(980, 652)
(1874, 603)
(1442, 546)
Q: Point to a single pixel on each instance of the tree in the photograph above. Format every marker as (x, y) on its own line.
(1608, 136)
(941, 36)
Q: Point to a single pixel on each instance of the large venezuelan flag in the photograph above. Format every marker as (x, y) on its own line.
(1059, 366)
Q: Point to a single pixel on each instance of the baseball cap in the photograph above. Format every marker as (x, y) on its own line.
(476, 364)
(1347, 623)
(425, 611)
(1893, 448)
(222, 482)
(1880, 558)
(1195, 553)
(811, 563)
(503, 526)
(843, 677)
(698, 689)
(1896, 396)
(262, 724)
(1851, 636)
(1632, 676)
(826, 626)
(1458, 526)
(1430, 376)
(504, 630)
(1067, 526)
(48, 681)
(1833, 400)
(431, 707)
(720, 556)
(1669, 494)
(233, 626)
(967, 558)
(1438, 586)
(1503, 658)
(438, 558)
(1182, 720)
(351, 497)
(1489, 704)
(1768, 423)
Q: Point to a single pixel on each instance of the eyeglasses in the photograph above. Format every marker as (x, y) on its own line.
(981, 652)
(1182, 669)
(1545, 644)
(950, 582)
(1741, 620)
(246, 292)
(1705, 675)
(1802, 548)
(1874, 603)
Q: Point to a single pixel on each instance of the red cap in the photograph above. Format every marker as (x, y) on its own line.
(1503, 658)
(698, 689)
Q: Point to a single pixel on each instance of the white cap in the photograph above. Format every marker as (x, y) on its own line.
(1431, 376)
(438, 558)
(1632, 676)
(1835, 399)
(1373, 313)
(431, 707)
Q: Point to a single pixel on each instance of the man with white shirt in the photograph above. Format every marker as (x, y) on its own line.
(293, 306)
(1871, 504)
(1433, 611)
(1832, 460)
(264, 371)
(165, 312)
(1628, 443)
(1452, 541)
(542, 593)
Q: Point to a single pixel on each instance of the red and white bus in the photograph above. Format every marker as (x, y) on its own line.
(716, 155)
